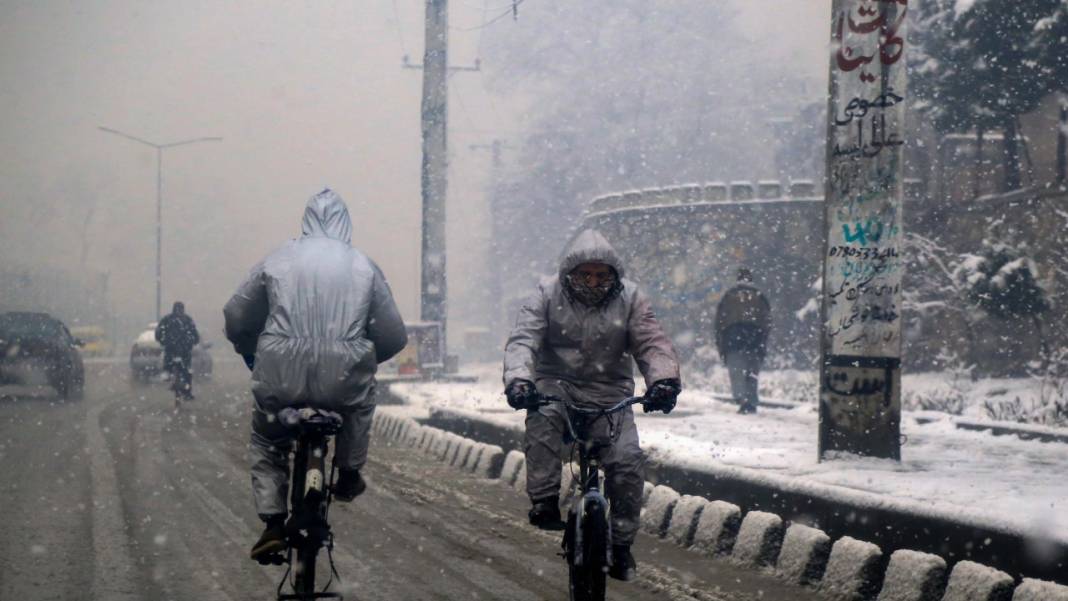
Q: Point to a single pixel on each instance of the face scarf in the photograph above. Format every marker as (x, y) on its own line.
(593, 296)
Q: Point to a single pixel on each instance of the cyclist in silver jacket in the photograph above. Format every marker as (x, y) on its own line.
(313, 321)
(578, 338)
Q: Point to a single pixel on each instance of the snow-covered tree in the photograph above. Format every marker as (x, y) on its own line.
(979, 64)
(1002, 281)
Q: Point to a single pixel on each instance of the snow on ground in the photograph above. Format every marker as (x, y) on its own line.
(1000, 481)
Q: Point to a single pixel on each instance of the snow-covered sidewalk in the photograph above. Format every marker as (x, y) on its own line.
(1000, 481)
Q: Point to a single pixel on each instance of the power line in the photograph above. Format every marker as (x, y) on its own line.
(511, 11)
(485, 6)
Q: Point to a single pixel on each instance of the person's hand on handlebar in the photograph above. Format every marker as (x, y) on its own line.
(662, 396)
(521, 394)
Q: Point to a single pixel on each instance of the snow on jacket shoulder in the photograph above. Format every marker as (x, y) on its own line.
(318, 315)
(556, 337)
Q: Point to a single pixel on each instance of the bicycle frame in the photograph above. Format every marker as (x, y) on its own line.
(310, 496)
(587, 581)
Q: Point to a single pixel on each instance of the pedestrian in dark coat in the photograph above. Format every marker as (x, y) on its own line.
(743, 322)
(177, 334)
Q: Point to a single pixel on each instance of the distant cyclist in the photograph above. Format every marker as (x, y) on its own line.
(578, 337)
(313, 321)
(177, 334)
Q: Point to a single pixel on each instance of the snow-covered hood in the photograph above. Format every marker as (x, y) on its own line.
(590, 247)
(327, 216)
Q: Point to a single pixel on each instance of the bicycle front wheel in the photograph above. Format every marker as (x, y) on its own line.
(587, 567)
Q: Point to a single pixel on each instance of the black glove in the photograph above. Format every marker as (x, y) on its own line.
(250, 361)
(521, 394)
(662, 396)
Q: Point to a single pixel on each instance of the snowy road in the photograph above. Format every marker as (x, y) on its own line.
(117, 497)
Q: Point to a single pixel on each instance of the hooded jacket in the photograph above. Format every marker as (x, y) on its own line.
(317, 314)
(177, 334)
(743, 320)
(559, 338)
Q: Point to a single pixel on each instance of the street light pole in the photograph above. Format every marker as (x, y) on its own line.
(159, 198)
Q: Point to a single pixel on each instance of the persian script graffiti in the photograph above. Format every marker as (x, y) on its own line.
(889, 47)
(859, 400)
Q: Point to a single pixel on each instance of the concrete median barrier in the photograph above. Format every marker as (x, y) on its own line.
(717, 528)
(970, 581)
(656, 515)
(804, 554)
(684, 519)
(853, 571)
(490, 461)
(759, 540)
(1040, 590)
(913, 576)
(512, 462)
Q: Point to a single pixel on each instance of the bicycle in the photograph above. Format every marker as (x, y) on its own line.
(308, 528)
(587, 544)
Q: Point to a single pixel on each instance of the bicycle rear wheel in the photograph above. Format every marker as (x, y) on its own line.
(586, 563)
(304, 580)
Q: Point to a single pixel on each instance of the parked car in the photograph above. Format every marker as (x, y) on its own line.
(37, 342)
(146, 358)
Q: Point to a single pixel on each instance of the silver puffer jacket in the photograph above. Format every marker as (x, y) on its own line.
(590, 348)
(318, 315)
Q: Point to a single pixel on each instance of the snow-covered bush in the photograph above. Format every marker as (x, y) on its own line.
(1049, 406)
(952, 397)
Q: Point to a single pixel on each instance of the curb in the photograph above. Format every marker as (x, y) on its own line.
(848, 570)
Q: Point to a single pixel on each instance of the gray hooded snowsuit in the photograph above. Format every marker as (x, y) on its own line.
(319, 317)
(583, 354)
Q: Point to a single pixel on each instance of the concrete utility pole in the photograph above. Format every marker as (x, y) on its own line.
(435, 163)
(159, 199)
(860, 376)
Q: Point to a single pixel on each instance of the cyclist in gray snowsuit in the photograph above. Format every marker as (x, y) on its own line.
(313, 321)
(575, 338)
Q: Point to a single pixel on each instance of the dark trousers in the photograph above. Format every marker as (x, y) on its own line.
(271, 443)
(623, 463)
(181, 377)
(744, 369)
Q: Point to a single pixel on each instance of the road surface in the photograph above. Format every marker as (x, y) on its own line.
(120, 497)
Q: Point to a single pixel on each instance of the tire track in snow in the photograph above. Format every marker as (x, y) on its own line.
(113, 576)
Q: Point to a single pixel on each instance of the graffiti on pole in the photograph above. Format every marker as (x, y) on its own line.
(861, 339)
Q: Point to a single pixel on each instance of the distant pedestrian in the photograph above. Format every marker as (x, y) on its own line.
(177, 334)
(743, 321)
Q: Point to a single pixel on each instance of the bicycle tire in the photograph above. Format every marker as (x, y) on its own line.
(304, 580)
(586, 582)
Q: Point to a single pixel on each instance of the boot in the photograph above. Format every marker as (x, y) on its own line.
(545, 514)
(350, 484)
(272, 541)
(623, 565)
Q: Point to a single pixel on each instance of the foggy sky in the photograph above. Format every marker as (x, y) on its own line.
(305, 95)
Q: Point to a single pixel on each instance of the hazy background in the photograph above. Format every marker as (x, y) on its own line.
(305, 95)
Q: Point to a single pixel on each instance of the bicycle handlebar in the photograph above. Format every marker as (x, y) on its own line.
(545, 399)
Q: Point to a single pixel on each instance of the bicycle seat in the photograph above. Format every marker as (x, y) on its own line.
(309, 419)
